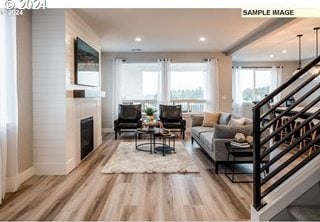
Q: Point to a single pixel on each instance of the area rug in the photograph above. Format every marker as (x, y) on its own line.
(126, 159)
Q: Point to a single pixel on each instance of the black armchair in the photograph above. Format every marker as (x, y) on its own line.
(129, 119)
(171, 118)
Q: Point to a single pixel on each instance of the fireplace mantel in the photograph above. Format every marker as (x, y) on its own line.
(85, 93)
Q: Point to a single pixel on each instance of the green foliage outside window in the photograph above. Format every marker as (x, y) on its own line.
(248, 95)
(187, 93)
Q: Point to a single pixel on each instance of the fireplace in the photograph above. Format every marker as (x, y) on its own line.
(86, 128)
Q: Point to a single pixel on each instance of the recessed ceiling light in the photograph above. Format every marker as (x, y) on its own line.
(138, 39)
(271, 56)
(202, 39)
(136, 50)
(284, 51)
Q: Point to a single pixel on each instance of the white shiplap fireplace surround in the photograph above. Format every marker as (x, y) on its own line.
(56, 114)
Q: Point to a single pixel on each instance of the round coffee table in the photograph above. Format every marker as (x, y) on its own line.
(147, 146)
(168, 144)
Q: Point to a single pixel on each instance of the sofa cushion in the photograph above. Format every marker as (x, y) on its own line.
(197, 130)
(196, 120)
(210, 119)
(236, 122)
(246, 122)
(224, 118)
(206, 138)
(223, 132)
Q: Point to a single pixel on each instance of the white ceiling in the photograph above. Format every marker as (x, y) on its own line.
(284, 38)
(176, 30)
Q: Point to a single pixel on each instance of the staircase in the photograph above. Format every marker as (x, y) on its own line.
(304, 208)
(291, 135)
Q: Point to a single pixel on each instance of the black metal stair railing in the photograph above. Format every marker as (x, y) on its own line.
(285, 159)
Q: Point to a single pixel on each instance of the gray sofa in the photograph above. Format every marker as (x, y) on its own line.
(212, 139)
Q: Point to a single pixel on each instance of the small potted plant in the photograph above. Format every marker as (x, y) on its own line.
(149, 111)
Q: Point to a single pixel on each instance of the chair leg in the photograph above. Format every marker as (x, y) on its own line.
(192, 140)
(216, 168)
(115, 135)
(313, 148)
(293, 136)
(183, 134)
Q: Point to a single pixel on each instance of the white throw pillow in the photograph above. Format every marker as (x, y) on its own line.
(237, 122)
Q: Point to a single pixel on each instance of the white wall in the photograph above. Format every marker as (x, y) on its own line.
(49, 81)
(24, 74)
(55, 123)
(225, 74)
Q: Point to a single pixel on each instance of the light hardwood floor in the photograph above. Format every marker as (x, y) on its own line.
(86, 194)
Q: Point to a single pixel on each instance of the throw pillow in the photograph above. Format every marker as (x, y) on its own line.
(210, 119)
(224, 118)
(237, 122)
(248, 121)
(196, 120)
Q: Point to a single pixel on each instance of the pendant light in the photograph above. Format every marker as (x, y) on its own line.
(299, 63)
(315, 70)
(317, 35)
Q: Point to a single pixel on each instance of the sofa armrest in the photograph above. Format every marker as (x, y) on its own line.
(196, 120)
(220, 150)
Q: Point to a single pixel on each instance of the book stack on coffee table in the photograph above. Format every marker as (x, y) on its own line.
(238, 144)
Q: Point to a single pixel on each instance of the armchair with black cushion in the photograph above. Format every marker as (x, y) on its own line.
(129, 119)
(171, 118)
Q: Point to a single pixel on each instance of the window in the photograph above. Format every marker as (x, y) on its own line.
(140, 84)
(253, 84)
(187, 81)
(188, 85)
(185, 84)
(140, 81)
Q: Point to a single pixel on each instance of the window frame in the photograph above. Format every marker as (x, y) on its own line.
(189, 105)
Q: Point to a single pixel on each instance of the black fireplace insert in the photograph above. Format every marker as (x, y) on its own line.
(86, 136)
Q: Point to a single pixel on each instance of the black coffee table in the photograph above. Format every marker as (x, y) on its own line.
(149, 146)
(166, 146)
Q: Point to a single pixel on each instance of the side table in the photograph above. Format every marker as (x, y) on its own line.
(168, 144)
(233, 153)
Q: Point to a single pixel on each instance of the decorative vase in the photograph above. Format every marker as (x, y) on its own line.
(149, 118)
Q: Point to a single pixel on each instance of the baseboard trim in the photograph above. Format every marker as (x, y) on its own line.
(25, 175)
(11, 184)
(50, 169)
(99, 141)
(107, 130)
(70, 165)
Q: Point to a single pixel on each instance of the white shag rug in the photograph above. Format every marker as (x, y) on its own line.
(126, 159)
